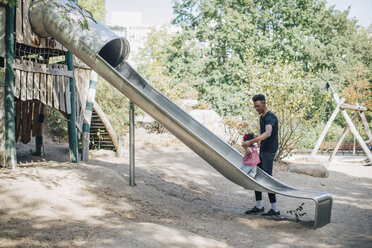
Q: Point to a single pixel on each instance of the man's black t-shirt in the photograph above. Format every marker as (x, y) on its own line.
(270, 144)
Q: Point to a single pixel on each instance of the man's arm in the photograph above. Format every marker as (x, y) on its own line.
(261, 137)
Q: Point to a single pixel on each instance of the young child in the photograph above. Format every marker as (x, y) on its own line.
(251, 158)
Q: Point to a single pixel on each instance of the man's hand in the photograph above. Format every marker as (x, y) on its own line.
(246, 144)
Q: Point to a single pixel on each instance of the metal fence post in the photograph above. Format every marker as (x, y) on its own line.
(131, 145)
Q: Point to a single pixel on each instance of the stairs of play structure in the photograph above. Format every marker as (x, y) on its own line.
(99, 137)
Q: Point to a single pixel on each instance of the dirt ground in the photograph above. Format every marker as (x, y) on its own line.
(178, 201)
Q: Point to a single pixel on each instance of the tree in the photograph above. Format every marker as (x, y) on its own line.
(228, 34)
(95, 7)
(232, 49)
(151, 60)
(290, 94)
(84, 15)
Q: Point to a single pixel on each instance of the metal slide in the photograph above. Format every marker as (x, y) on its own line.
(106, 53)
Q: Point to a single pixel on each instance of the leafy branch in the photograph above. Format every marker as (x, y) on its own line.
(297, 212)
(83, 15)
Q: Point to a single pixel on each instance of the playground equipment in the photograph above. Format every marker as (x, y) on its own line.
(106, 53)
(359, 109)
(45, 75)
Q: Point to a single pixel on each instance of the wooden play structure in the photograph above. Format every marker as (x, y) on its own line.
(47, 75)
(102, 134)
(358, 109)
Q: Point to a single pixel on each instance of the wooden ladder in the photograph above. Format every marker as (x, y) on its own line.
(103, 140)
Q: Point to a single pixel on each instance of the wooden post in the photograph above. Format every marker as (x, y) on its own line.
(43, 86)
(88, 116)
(2, 88)
(23, 84)
(49, 81)
(35, 117)
(354, 131)
(39, 133)
(62, 105)
(18, 118)
(29, 121)
(72, 135)
(325, 130)
(17, 87)
(10, 137)
(67, 95)
(55, 89)
(346, 130)
(366, 126)
(29, 82)
(357, 135)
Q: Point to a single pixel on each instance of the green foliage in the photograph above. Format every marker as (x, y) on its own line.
(100, 139)
(237, 128)
(312, 133)
(10, 2)
(115, 105)
(298, 212)
(285, 49)
(83, 14)
(287, 90)
(220, 38)
(95, 7)
(359, 88)
(56, 122)
(151, 60)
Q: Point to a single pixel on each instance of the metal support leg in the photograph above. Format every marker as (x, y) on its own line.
(131, 145)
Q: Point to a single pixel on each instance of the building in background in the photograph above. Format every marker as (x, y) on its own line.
(129, 25)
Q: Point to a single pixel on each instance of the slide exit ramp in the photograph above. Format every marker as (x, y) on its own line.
(106, 53)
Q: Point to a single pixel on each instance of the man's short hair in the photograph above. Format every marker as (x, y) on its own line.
(259, 97)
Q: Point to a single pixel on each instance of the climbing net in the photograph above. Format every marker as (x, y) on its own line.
(48, 55)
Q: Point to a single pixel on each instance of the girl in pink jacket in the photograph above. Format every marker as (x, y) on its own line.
(251, 158)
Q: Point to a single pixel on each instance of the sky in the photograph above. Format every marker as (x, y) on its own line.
(360, 9)
(156, 12)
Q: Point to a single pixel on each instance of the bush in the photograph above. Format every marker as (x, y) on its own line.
(115, 105)
(56, 123)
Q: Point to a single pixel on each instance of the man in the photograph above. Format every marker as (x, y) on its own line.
(268, 137)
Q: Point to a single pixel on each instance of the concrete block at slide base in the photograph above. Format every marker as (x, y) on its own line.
(315, 170)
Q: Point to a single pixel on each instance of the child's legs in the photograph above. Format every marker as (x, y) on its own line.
(249, 169)
(253, 171)
(245, 168)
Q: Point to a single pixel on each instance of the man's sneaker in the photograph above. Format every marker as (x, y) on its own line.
(255, 210)
(271, 213)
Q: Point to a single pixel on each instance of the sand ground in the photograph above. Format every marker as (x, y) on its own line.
(178, 201)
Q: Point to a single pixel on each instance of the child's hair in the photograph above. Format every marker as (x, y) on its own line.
(248, 136)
